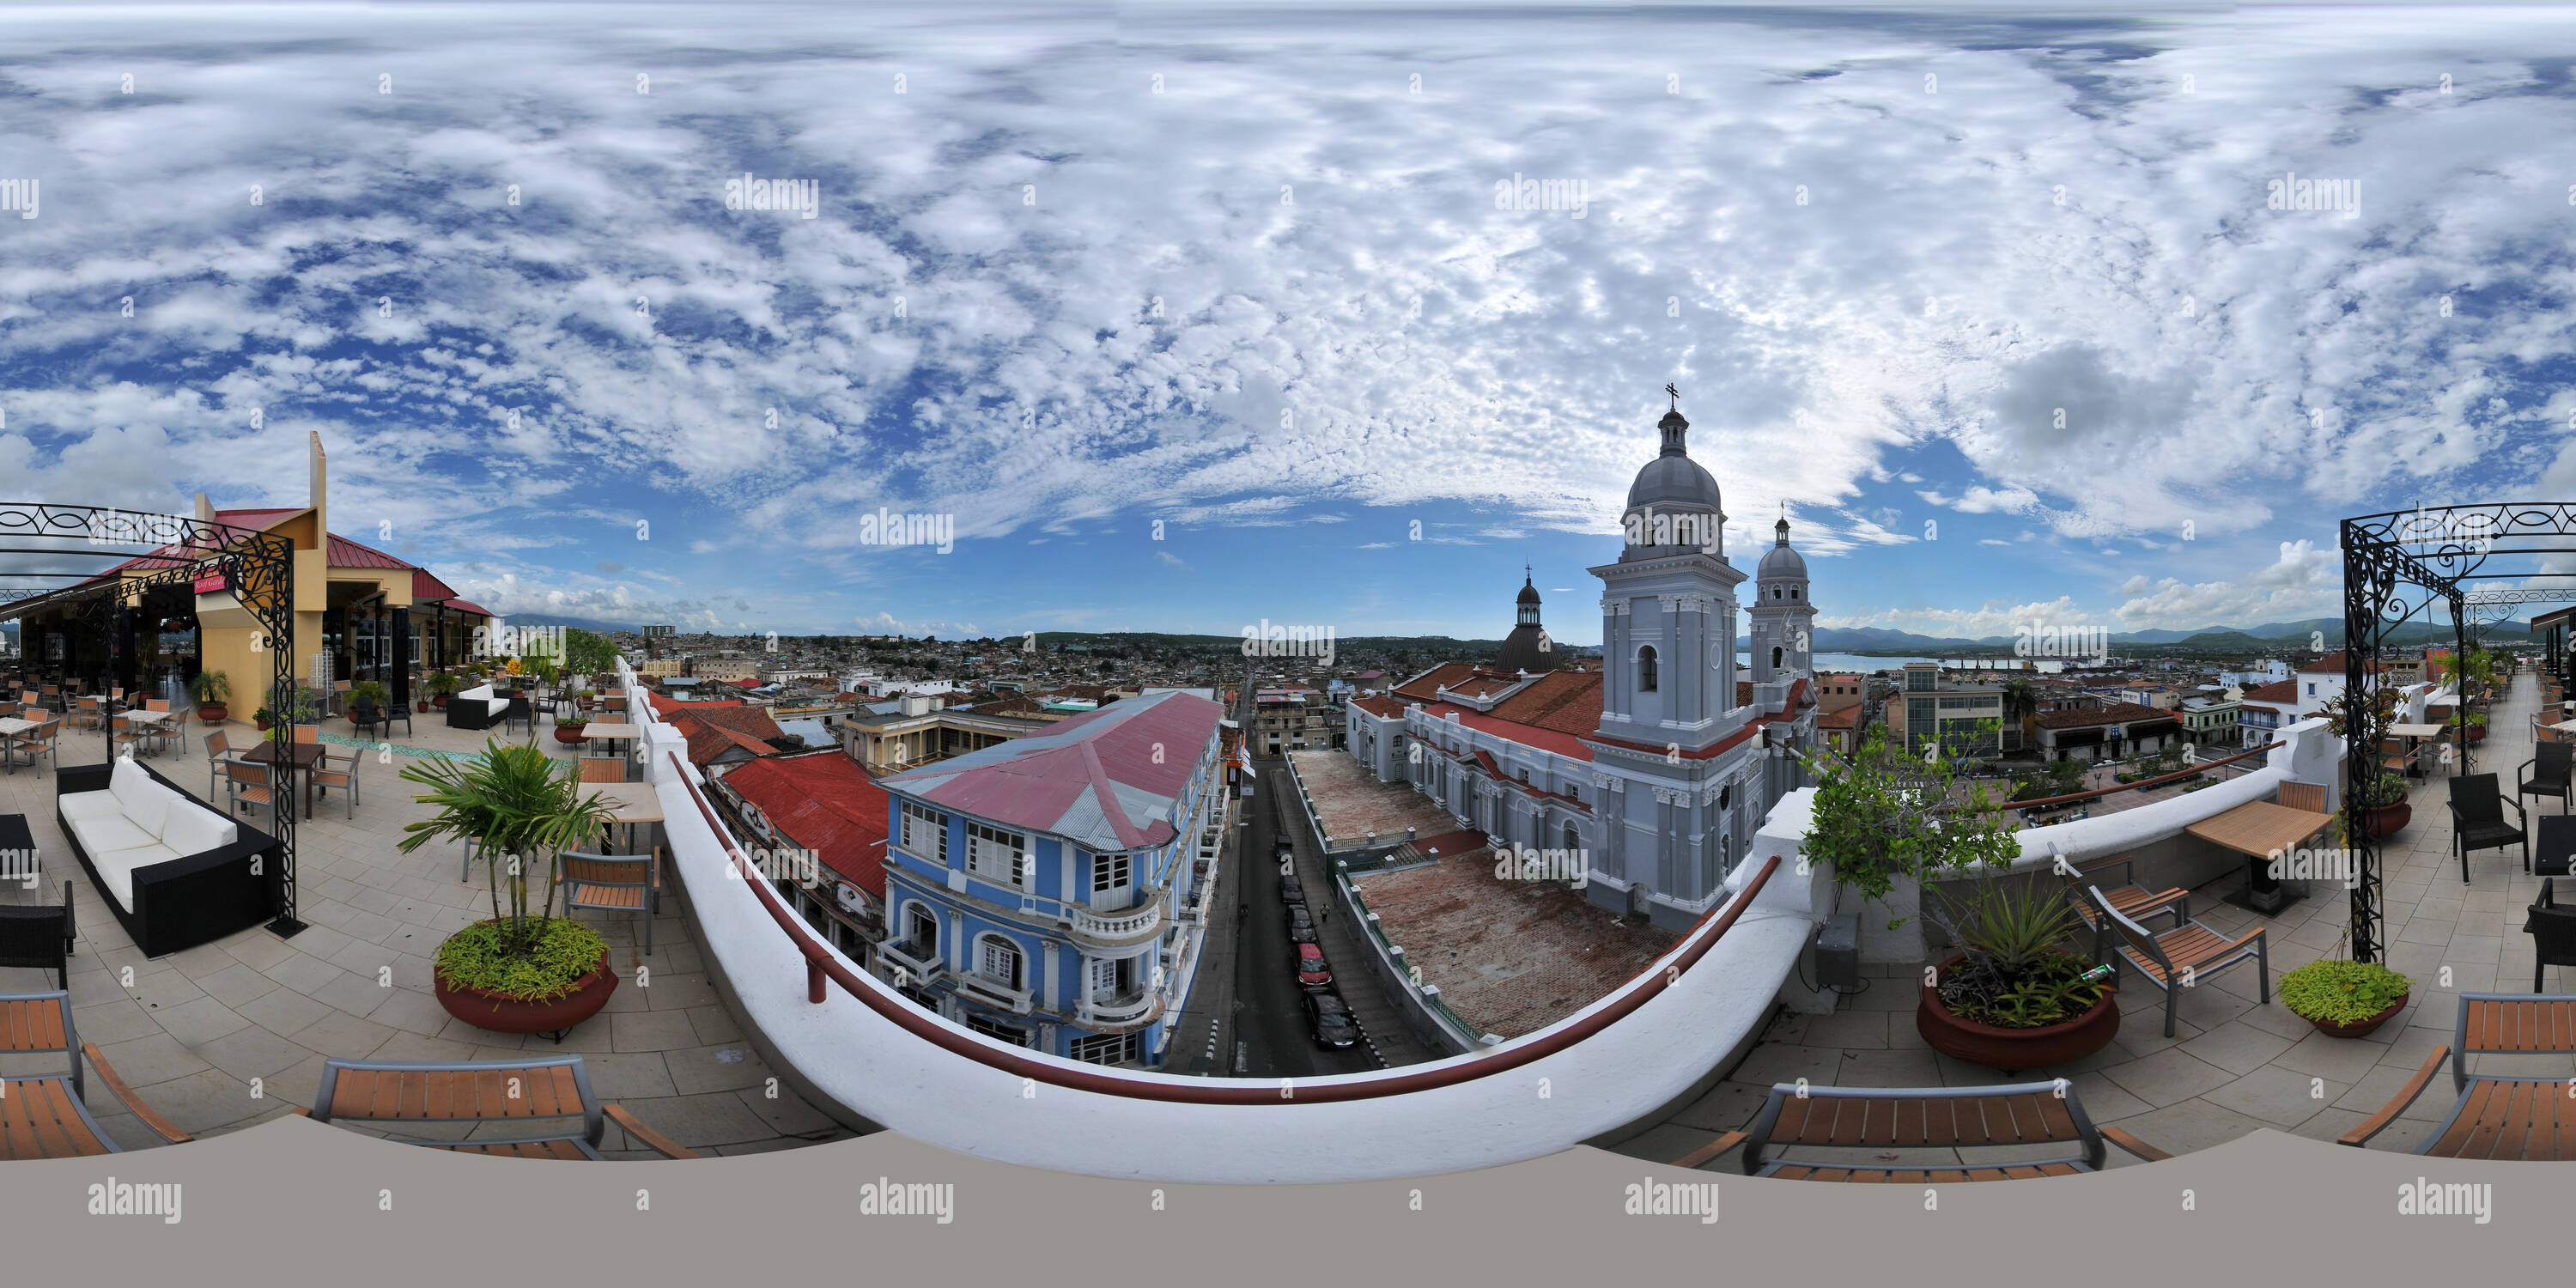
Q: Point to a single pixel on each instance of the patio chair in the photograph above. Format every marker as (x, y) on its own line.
(2546, 773)
(2553, 933)
(2498, 1116)
(603, 769)
(2178, 958)
(250, 784)
(219, 748)
(615, 883)
(39, 936)
(2477, 820)
(397, 713)
(340, 772)
(1871, 1122)
(388, 1093)
(90, 714)
(366, 717)
(37, 743)
(163, 735)
(2133, 900)
(129, 738)
(45, 1114)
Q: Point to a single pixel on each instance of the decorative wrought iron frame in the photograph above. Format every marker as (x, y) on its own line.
(259, 568)
(2397, 563)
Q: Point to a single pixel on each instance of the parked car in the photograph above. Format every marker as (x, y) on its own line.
(1311, 973)
(1291, 891)
(1330, 1021)
(1301, 928)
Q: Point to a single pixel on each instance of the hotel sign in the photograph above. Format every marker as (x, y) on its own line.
(219, 582)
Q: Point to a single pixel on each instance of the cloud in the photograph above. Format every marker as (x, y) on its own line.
(2303, 581)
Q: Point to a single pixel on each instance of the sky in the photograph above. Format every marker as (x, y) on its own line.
(1181, 318)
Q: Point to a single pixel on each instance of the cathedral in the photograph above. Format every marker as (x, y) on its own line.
(1658, 767)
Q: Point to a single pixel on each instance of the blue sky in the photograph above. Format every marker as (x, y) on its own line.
(1241, 273)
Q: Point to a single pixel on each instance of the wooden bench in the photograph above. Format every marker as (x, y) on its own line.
(379, 1092)
(2018, 1116)
(44, 1116)
(2496, 1117)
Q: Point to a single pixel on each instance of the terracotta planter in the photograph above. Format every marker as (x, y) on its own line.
(421, 707)
(2477, 734)
(505, 1015)
(571, 737)
(2388, 820)
(2360, 1027)
(439, 701)
(2012, 1050)
(212, 713)
(266, 725)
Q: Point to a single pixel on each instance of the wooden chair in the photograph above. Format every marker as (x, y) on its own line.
(2307, 796)
(160, 733)
(1869, 1121)
(251, 784)
(2176, 959)
(44, 1116)
(37, 743)
(2496, 1117)
(389, 1093)
(2477, 820)
(39, 936)
(90, 714)
(2133, 900)
(219, 748)
(2553, 763)
(603, 769)
(615, 883)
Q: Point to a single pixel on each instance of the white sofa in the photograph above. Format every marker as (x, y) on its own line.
(136, 823)
(476, 708)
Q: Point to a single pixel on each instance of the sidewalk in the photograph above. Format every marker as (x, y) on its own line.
(1382, 1030)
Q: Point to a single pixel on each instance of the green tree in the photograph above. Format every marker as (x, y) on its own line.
(1884, 815)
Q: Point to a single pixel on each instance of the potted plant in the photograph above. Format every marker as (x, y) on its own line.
(442, 686)
(211, 689)
(263, 718)
(2013, 998)
(1886, 822)
(569, 726)
(2477, 727)
(302, 706)
(2384, 808)
(523, 970)
(2343, 998)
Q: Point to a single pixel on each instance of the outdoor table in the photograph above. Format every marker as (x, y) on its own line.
(632, 803)
(144, 717)
(304, 755)
(2256, 829)
(10, 728)
(612, 732)
(2417, 733)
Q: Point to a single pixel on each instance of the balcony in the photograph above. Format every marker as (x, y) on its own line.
(1122, 929)
(920, 963)
(1120, 1014)
(993, 993)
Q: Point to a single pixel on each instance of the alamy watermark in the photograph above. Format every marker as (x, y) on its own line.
(1522, 193)
(1652, 1197)
(113, 1197)
(886, 528)
(19, 195)
(1522, 863)
(1272, 639)
(2290, 192)
(804, 196)
(1644, 527)
(2303, 864)
(517, 641)
(792, 867)
(19, 866)
(2074, 643)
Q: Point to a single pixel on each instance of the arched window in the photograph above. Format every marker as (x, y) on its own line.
(1793, 592)
(1775, 657)
(998, 960)
(1646, 669)
(1775, 592)
(1572, 841)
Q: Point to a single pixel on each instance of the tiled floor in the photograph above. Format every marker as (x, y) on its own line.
(2235, 1064)
(232, 1033)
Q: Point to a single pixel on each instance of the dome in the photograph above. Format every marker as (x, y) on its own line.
(1529, 592)
(1781, 561)
(1673, 479)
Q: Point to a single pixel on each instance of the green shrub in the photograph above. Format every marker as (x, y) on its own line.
(2342, 992)
(560, 952)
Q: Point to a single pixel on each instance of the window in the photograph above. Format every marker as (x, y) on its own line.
(1646, 669)
(1111, 980)
(1775, 592)
(924, 835)
(1775, 657)
(1108, 872)
(1572, 840)
(1793, 592)
(922, 929)
(998, 960)
(996, 855)
(1525, 773)
(1011, 1033)
(1104, 1048)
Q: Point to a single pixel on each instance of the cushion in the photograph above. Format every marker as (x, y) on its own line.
(479, 693)
(110, 832)
(194, 829)
(128, 780)
(149, 807)
(80, 805)
(116, 869)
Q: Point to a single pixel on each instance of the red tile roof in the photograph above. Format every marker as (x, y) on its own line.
(1379, 706)
(2282, 691)
(1563, 744)
(732, 715)
(1426, 686)
(349, 554)
(708, 742)
(428, 589)
(822, 801)
(2116, 713)
(1566, 702)
(460, 606)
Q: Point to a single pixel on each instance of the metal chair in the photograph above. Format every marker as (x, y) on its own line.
(37, 742)
(90, 714)
(47, 1114)
(2132, 899)
(2178, 958)
(161, 734)
(2553, 763)
(2477, 820)
(39, 936)
(219, 748)
(340, 772)
(251, 784)
(615, 883)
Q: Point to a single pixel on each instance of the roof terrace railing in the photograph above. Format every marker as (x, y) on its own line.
(824, 968)
(2077, 798)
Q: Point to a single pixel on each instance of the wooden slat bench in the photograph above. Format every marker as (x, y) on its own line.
(2019, 1115)
(379, 1092)
(2524, 1118)
(44, 1116)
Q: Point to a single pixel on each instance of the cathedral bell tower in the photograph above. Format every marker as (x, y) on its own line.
(1781, 621)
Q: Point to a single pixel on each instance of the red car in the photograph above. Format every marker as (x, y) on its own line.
(1310, 968)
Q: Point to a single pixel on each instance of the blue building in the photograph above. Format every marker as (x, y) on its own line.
(1048, 891)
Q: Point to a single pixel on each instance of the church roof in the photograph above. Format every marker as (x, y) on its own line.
(1780, 560)
(1673, 479)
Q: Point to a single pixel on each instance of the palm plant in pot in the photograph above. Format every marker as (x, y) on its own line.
(443, 686)
(524, 970)
(211, 689)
